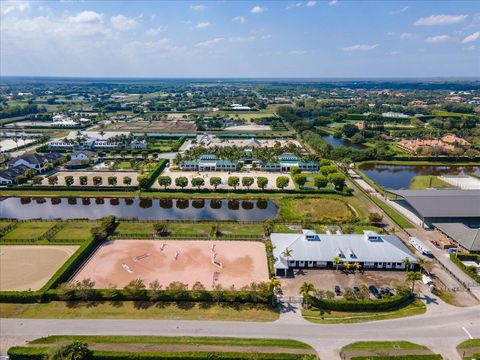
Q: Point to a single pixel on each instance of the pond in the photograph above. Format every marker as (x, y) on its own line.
(400, 176)
(336, 142)
(131, 208)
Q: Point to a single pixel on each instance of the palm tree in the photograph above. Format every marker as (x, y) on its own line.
(408, 263)
(347, 265)
(413, 276)
(273, 283)
(337, 260)
(306, 289)
(357, 266)
(421, 264)
(287, 253)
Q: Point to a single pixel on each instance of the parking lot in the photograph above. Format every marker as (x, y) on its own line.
(328, 279)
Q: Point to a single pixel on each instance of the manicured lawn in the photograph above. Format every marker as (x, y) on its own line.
(29, 230)
(134, 227)
(315, 209)
(345, 317)
(179, 229)
(469, 343)
(282, 228)
(423, 182)
(4, 224)
(241, 229)
(187, 340)
(399, 357)
(132, 310)
(75, 231)
(383, 345)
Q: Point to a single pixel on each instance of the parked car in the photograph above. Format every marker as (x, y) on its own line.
(385, 291)
(356, 289)
(338, 291)
(373, 289)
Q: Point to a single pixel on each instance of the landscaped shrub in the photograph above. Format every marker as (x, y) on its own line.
(361, 305)
(470, 271)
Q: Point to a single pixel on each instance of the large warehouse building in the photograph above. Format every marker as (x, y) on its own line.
(456, 213)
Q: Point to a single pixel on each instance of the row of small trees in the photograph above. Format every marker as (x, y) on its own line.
(83, 180)
(233, 181)
(328, 174)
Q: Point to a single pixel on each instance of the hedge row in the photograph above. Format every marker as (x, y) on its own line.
(72, 264)
(39, 353)
(256, 191)
(361, 305)
(470, 271)
(152, 175)
(399, 357)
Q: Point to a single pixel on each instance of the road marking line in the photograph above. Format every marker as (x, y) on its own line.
(469, 335)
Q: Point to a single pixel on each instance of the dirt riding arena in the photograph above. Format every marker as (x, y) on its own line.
(30, 267)
(227, 263)
(154, 126)
(91, 174)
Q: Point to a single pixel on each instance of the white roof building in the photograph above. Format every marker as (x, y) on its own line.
(312, 250)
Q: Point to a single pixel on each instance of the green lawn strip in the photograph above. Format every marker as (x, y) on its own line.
(134, 227)
(184, 340)
(395, 216)
(399, 357)
(75, 230)
(179, 229)
(132, 310)
(4, 224)
(469, 344)
(383, 345)
(346, 317)
(423, 182)
(284, 228)
(39, 353)
(29, 230)
(241, 229)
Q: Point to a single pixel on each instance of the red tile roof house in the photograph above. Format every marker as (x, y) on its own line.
(447, 142)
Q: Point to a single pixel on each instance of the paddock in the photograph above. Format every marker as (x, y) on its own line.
(30, 267)
(104, 175)
(227, 263)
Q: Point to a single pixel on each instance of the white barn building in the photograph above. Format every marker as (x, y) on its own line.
(312, 250)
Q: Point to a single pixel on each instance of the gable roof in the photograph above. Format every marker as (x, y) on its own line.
(443, 203)
(466, 236)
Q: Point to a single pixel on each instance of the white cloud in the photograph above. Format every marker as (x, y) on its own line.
(360, 47)
(399, 11)
(440, 20)
(332, 2)
(471, 37)
(197, 7)
(311, 3)
(155, 31)
(210, 43)
(297, 52)
(407, 36)
(469, 48)
(437, 39)
(7, 7)
(203, 25)
(266, 37)
(258, 10)
(86, 17)
(394, 52)
(242, 39)
(123, 23)
(239, 19)
(294, 5)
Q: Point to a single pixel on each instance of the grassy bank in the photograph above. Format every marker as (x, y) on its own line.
(139, 310)
(394, 215)
(383, 345)
(346, 317)
(423, 182)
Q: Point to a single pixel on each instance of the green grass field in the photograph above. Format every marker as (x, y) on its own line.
(423, 182)
(182, 340)
(132, 310)
(399, 219)
(29, 230)
(346, 317)
(383, 345)
(75, 231)
(133, 227)
(4, 224)
(315, 209)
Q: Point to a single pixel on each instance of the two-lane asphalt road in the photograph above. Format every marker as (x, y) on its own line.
(441, 329)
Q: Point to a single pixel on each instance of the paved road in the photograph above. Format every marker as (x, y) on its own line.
(441, 329)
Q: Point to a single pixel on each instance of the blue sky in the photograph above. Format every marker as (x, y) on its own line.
(240, 38)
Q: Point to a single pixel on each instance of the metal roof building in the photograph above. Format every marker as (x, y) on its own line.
(467, 237)
(312, 250)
